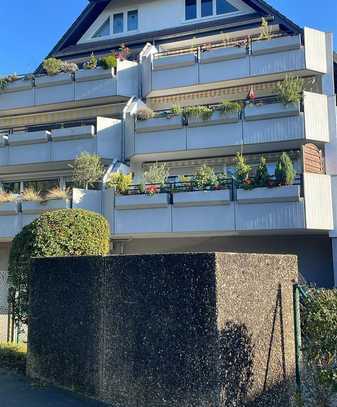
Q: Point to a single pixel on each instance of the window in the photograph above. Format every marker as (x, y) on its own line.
(223, 7)
(41, 186)
(190, 9)
(118, 23)
(206, 8)
(12, 187)
(104, 30)
(132, 20)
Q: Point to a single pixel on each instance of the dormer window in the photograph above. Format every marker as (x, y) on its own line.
(132, 20)
(104, 30)
(207, 8)
(190, 9)
(118, 23)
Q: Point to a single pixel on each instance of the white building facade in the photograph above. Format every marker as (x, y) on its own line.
(183, 53)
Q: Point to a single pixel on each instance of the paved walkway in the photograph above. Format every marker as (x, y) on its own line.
(17, 391)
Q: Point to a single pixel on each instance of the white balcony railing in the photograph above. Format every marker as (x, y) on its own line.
(62, 144)
(265, 123)
(294, 208)
(64, 87)
(279, 56)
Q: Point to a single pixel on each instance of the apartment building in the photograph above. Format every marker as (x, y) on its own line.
(183, 53)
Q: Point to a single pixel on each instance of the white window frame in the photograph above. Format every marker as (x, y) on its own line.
(213, 16)
(127, 20)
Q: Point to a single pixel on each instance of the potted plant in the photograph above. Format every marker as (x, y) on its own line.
(290, 90)
(156, 177)
(91, 63)
(284, 171)
(242, 170)
(262, 177)
(147, 121)
(205, 179)
(88, 170)
(120, 182)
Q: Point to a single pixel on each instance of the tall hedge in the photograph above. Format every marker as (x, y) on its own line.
(61, 233)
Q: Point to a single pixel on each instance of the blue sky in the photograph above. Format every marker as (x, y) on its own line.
(29, 29)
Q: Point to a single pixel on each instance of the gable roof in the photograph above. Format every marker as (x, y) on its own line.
(67, 46)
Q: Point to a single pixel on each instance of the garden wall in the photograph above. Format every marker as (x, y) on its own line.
(187, 330)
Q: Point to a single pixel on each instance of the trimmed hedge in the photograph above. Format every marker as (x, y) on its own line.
(66, 232)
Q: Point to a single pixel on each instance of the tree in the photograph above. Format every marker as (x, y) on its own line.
(284, 170)
(66, 232)
(88, 169)
(262, 175)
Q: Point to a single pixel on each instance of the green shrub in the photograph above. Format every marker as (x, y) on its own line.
(319, 331)
(91, 63)
(202, 112)
(284, 171)
(13, 357)
(108, 62)
(66, 232)
(52, 66)
(176, 110)
(120, 182)
(262, 175)
(242, 169)
(205, 177)
(69, 67)
(290, 90)
(88, 170)
(229, 106)
(157, 174)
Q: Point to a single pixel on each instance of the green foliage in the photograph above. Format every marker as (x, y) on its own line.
(120, 182)
(265, 33)
(157, 174)
(66, 232)
(176, 110)
(52, 66)
(91, 63)
(204, 178)
(88, 169)
(242, 169)
(284, 170)
(290, 90)
(229, 106)
(262, 176)
(13, 357)
(108, 62)
(202, 112)
(319, 330)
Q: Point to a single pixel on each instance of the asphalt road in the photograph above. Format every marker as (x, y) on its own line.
(18, 391)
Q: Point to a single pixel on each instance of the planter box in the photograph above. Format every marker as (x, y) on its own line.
(35, 137)
(19, 85)
(222, 54)
(85, 75)
(174, 61)
(31, 207)
(8, 208)
(201, 198)
(54, 89)
(157, 124)
(272, 110)
(54, 80)
(289, 193)
(73, 133)
(141, 201)
(216, 118)
(276, 45)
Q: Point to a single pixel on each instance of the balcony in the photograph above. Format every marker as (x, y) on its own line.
(206, 67)
(266, 122)
(69, 88)
(303, 207)
(64, 144)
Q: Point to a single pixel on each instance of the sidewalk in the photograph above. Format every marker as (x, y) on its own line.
(17, 391)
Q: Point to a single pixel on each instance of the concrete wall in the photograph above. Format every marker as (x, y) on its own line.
(166, 330)
(4, 255)
(313, 251)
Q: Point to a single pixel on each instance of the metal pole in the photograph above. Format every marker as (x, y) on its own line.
(298, 338)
